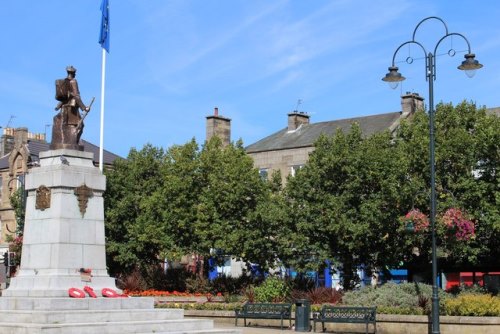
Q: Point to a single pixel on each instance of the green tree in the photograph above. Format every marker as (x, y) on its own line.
(231, 193)
(131, 228)
(16, 201)
(345, 204)
(186, 200)
(177, 199)
(467, 177)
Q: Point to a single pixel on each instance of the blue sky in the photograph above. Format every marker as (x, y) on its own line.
(172, 61)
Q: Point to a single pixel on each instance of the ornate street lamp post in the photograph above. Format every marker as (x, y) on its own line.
(469, 65)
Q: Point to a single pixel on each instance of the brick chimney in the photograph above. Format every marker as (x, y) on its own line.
(296, 119)
(411, 102)
(219, 126)
(21, 136)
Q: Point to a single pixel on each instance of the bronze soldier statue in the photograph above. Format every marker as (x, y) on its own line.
(68, 123)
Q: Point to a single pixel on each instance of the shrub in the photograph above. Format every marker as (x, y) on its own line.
(198, 285)
(273, 289)
(472, 304)
(301, 283)
(201, 306)
(409, 297)
(231, 285)
(170, 280)
(320, 295)
(464, 288)
(249, 293)
(131, 282)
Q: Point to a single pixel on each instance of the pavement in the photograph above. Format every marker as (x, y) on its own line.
(254, 329)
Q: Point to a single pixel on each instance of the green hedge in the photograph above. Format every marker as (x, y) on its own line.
(473, 305)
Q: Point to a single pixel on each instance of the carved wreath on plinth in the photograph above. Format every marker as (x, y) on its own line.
(83, 193)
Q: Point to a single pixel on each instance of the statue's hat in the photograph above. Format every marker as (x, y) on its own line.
(70, 69)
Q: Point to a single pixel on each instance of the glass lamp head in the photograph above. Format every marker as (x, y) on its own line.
(470, 65)
(393, 77)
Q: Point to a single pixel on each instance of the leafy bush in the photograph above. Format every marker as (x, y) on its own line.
(301, 283)
(131, 282)
(198, 285)
(232, 285)
(409, 297)
(273, 289)
(225, 285)
(464, 288)
(173, 279)
(320, 295)
(201, 306)
(472, 304)
(249, 293)
(400, 310)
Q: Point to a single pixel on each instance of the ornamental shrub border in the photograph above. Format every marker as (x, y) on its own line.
(391, 298)
(469, 305)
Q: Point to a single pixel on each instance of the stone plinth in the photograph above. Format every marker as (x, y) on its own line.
(66, 235)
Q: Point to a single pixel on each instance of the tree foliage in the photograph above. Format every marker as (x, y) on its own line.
(467, 155)
(345, 204)
(131, 229)
(185, 200)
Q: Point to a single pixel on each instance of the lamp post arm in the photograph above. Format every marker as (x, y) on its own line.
(453, 34)
(430, 18)
(451, 52)
(406, 43)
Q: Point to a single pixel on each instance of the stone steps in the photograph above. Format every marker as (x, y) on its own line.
(208, 331)
(58, 317)
(152, 326)
(67, 304)
(27, 315)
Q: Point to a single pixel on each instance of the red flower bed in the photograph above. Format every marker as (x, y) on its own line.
(161, 293)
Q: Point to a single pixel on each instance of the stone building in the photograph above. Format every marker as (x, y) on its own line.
(288, 149)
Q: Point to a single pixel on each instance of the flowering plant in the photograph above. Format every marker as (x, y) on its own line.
(458, 224)
(163, 293)
(415, 219)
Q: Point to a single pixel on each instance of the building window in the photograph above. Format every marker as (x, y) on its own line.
(264, 172)
(294, 169)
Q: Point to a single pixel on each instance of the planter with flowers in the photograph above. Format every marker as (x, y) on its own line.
(457, 225)
(415, 221)
(415, 224)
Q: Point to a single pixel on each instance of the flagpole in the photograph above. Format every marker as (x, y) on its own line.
(101, 141)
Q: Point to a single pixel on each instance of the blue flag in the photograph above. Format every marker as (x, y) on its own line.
(104, 35)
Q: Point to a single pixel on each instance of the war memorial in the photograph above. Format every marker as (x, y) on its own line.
(62, 285)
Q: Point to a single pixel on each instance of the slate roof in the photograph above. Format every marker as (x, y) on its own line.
(36, 146)
(306, 135)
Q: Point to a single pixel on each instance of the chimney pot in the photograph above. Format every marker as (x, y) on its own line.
(216, 111)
